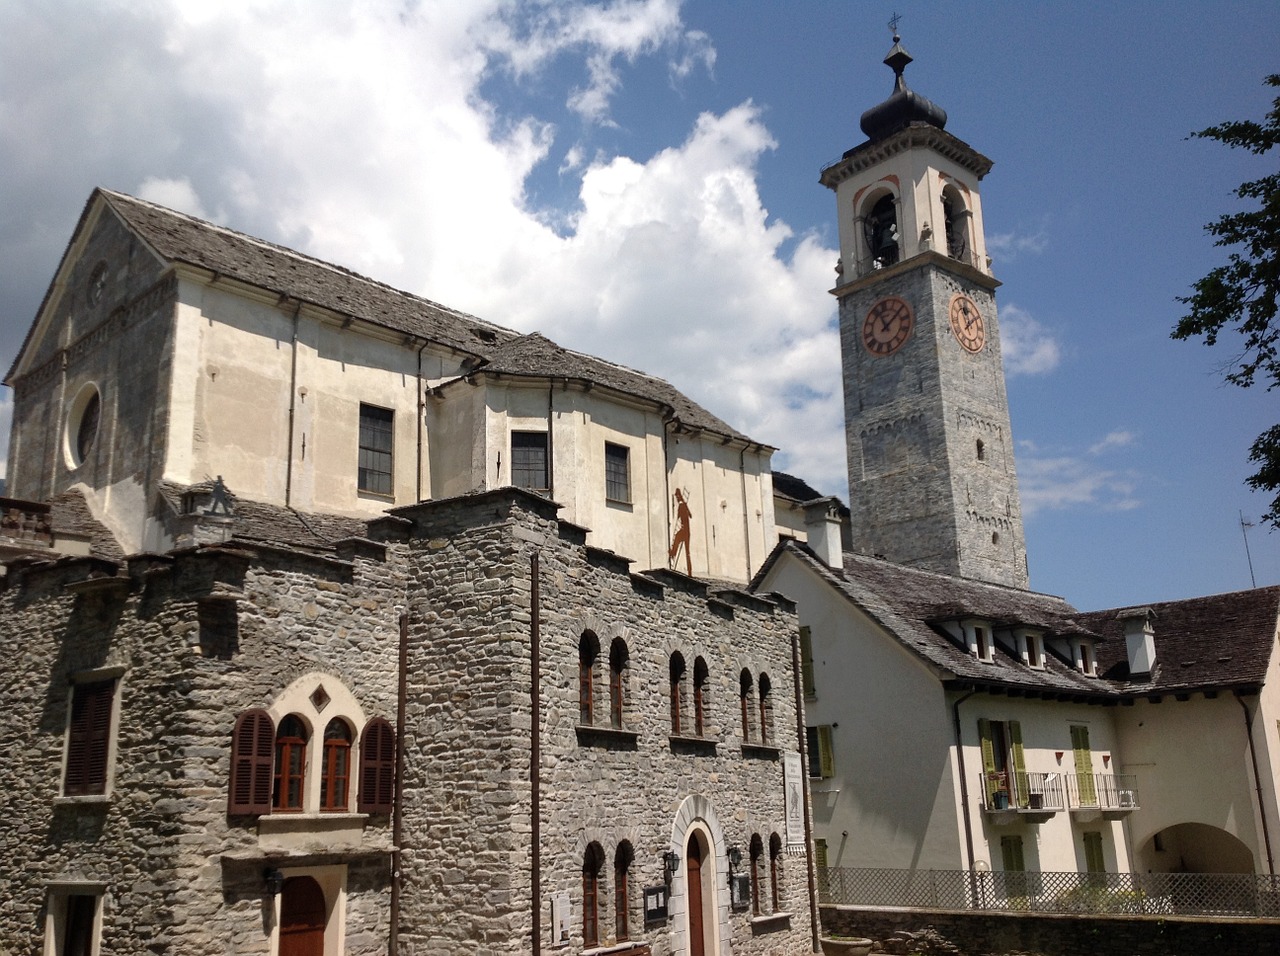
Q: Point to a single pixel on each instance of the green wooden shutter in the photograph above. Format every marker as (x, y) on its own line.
(1094, 861)
(989, 782)
(820, 853)
(806, 663)
(1019, 765)
(1084, 766)
(826, 752)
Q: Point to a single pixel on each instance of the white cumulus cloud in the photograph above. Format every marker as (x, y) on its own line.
(1027, 347)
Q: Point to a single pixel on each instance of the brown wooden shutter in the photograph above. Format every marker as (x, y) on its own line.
(89, 738)
(377, 767)
(252, 754)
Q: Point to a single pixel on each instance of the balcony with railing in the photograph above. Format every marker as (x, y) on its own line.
(1013, 797)
(1107, 795)
(1022, 797)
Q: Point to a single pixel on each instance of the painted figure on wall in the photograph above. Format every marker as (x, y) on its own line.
(681, 538)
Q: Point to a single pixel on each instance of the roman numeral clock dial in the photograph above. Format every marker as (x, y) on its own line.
(966, 323)
(887, 326)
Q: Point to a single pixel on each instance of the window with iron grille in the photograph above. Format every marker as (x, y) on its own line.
(617, 473)
(89, 738)
(529, 461)
(374, 467)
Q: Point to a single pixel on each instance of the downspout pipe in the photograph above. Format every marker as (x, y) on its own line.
(964, 781)
(804, 790)
(293, 406)
(397, 808)
(535, 750)
(1257, 783)
(422, 414)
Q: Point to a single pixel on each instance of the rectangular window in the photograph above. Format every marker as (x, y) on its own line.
(374, 467)
(72, 928)
(821, 753)
(529, 461)
(806, 663)
(89, 738)
(1035, 652)
(617, 473)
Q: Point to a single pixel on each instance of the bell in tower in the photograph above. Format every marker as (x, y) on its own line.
(931, 471)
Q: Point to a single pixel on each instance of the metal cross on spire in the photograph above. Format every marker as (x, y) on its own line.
(893, 24)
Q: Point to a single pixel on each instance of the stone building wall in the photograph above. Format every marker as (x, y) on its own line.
(198, 636)
(468, 874)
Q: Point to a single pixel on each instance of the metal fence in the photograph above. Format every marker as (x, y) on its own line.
(1153, 894)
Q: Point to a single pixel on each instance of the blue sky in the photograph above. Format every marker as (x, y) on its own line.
(639, 180)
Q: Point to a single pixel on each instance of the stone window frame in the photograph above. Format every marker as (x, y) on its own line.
(678, 677)
(619, 676)
(588, 664)
(746, 700)
(90, 743)
(592, 879)
(755, 853)
(701, 693)
(764, 697)
(775, 871)
(623, 856)
(58, 913)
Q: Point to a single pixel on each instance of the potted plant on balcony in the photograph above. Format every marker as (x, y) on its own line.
(997, 791)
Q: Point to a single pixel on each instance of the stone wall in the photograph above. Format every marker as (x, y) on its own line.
(934, 933)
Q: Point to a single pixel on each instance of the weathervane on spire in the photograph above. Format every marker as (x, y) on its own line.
(893, 24)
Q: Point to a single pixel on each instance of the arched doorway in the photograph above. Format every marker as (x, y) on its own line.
(699, 922)
(302, 917)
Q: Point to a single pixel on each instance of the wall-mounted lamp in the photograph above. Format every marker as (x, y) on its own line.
(670, 860)
(1058, 754)
(274, 880)
(1106, 760)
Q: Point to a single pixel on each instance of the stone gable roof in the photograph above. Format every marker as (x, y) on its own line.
(1220, 641)
(178, 237)
(69, 513)
(536, 356)
(909, 603)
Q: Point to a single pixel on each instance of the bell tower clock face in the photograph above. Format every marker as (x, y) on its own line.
(966, 323)
(887, 326)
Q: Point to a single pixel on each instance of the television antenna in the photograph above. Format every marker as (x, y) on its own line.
(1244, 532)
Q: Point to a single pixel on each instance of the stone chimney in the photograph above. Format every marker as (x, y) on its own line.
(822, 527)
(1139, 639)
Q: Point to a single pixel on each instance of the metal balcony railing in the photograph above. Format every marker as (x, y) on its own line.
(1035, 792)
(1154, 894)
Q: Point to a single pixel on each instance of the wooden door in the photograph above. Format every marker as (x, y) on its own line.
(302, 917)
(693, 879)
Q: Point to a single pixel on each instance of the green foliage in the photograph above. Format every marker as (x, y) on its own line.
(1099, 899)
(1243, 295)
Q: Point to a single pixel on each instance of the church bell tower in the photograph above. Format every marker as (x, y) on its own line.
(931, 472)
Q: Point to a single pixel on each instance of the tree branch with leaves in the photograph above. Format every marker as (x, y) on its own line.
(1243, 295)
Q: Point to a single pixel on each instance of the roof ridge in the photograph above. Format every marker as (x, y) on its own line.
(112, 194)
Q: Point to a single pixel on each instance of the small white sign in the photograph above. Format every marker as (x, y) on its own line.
(561, 920)
(793, 784)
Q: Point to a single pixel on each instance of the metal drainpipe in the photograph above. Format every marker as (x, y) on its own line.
(535, 747)
(964, 784)
(551, 442)
(422, 411)
(1257, 784)
(397, 808)
(804, 790)
(293, 402)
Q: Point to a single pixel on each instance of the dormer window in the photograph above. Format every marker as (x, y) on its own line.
(977, 636)
(1086, 663)
(1031, 649)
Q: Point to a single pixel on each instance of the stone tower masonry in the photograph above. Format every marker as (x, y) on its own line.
(931, 471)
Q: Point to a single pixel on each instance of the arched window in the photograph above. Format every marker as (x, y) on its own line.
(588, 654)
(252, 752)
(700, 702)
(881, 227)
(982, 450)
(592, 865)
(622, 890)
(744, 691)
(775, 870)
(766, 708)
(291, 764)
(618, 658)
(757, 853)
(335, 776)
(377, 767)
(677, 674)
(956, 222)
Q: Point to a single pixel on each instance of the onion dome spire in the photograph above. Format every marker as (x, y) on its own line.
(904, 107)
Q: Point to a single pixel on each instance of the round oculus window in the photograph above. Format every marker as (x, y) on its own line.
(97, 282)
(83, 424)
